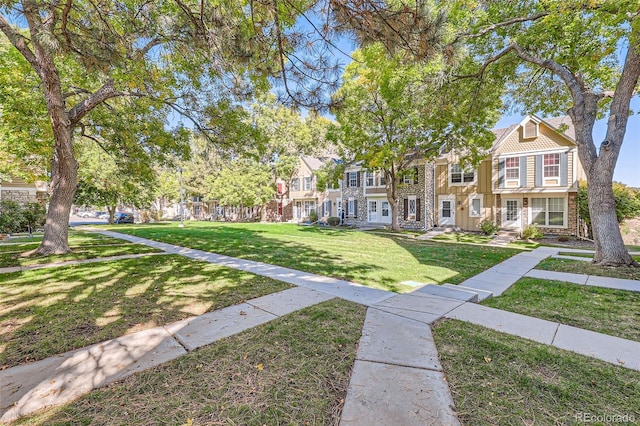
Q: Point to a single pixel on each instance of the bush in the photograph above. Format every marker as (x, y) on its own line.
(563, 238)
(333, 221)
(488, 227)
(11, 218)
(313, 216)
(531, 232)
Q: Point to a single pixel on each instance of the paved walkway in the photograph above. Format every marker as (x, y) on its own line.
(397, 376)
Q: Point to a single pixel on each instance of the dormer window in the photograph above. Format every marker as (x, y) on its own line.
(530, 130)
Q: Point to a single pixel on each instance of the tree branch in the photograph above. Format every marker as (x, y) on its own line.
(485, 64)
(107, 91)
(19, 42)
(493, 27)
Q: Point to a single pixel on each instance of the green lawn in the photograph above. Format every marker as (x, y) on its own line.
(462, 237)
(375, 260)
(614, 312)
(586, 268)
(496, 379)
(50, 311)
(292, 371)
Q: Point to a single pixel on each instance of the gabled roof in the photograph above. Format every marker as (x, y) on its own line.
(316, 163)
(563, 125)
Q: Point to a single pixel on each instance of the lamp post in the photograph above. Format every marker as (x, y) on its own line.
(181, 201)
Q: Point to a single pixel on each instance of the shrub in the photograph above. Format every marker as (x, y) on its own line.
(333, 221)
(563, 238)
(33, 216)
(531, 232)
(313, 216)
(488, 227)
(11, 219)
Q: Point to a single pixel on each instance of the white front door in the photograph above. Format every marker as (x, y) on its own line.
(385, 212)
(372, 211)
(447, 211)
(511, 213)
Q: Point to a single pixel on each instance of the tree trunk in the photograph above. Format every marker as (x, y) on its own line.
(112, 213)
(64, 181)
(392, 195)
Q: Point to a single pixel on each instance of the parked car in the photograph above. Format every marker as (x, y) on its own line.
(123, 218)
(85, 214)
(104, 216)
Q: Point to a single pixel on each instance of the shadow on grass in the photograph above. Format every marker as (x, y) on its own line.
(48, 312)
(375, 260)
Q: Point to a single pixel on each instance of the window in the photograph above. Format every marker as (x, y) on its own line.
(411, 206)
(512, 168)
(475, 206)
(351, 207)
(548, 211)
(383, 179)
(309, 207)
(307, 183)
(280, 188)
(458, 176)
(551, 165)
(295, 184)
(352, 179)
(370, 178)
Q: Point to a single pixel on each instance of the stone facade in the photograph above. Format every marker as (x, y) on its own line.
(21, 196)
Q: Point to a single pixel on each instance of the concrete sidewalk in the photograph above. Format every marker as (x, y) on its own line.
(397, 376)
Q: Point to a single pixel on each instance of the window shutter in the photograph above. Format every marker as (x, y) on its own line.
(358, 179)
(523, 171)
(501, 164)
(538, 170)
(406, 208)
(564, 168)
(328, 212)
(355, 206)
(418, 210)
(415, 178)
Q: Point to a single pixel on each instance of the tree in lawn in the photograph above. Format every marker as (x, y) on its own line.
(391, 113)
(182, 56)
(106, 180)
(564, 57)
(243, 184)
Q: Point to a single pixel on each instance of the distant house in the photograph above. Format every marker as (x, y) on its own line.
(365, 201)
(17, 189)
(530, 176)
(296, 199)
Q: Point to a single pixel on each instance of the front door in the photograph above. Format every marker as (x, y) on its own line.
(447, 211)
(511, 213)
(372, 211)
(385, 212)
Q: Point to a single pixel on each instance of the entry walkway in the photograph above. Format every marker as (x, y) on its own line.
(397, 376)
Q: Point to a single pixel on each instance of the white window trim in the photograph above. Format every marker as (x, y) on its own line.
(350, 207)
(565, 217)
(410, 216)
(476, 197)
(517, 181)
(407, 180)
(366, 179)
(462, 171)
(355, 185)
(304, 183)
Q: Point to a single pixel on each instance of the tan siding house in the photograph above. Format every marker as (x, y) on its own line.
(530, 177)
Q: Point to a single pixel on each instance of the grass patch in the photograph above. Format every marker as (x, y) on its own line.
(613, 312)
(497, 379)
(582, 267)
(84, 245)
(588, 255)
(9, 259)
(293, 370)
(462, 237)
(50, 311)
(375, 260)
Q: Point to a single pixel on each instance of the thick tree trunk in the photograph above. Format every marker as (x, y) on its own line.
(64, 180)
(392, 197)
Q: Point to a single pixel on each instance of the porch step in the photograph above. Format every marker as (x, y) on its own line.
(449, 292)
(482, 294)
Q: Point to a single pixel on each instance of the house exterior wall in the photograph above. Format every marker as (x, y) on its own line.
(462, 194)
(22, 192)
